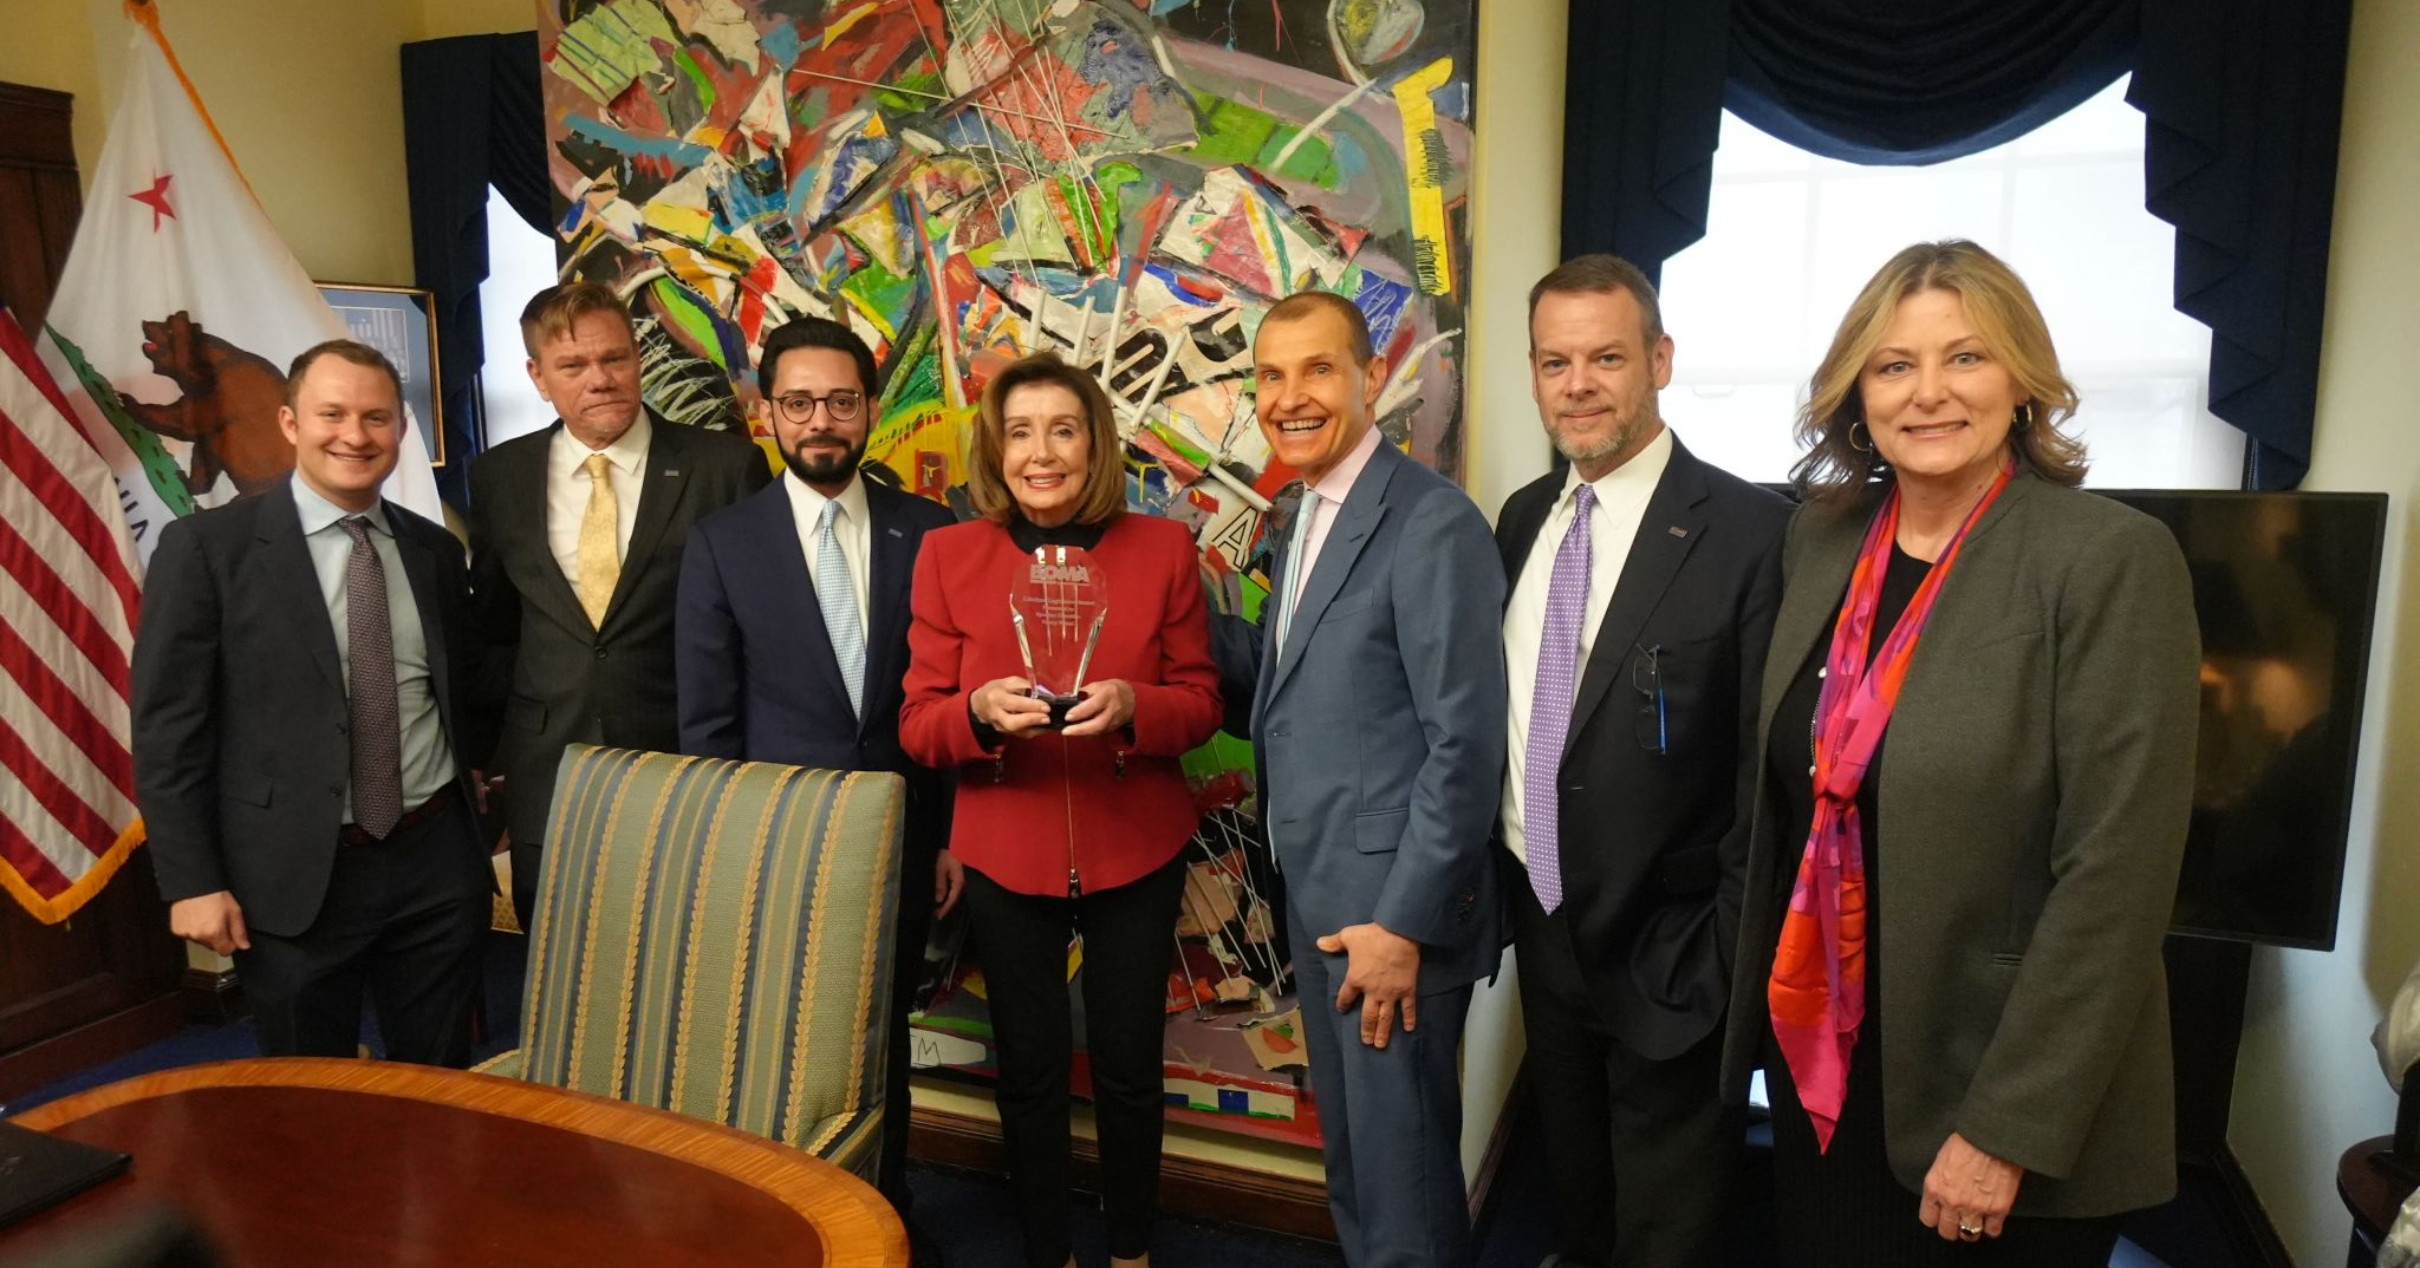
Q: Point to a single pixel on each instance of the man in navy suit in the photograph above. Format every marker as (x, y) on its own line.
(790, 636)
(1377, 688)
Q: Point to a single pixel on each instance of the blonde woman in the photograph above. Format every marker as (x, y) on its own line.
(1977, 757)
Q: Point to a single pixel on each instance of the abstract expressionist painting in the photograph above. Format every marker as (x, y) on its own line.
(1130, 183)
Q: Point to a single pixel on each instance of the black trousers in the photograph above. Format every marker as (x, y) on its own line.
(1644, 1151)
(1021, 942)
(1844, 1208)
(402, 923)
(527, 857)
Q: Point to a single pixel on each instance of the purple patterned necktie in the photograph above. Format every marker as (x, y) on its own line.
(1550, 705)
(376, 727)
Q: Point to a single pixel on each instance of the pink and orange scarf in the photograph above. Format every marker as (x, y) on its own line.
(1817, 991)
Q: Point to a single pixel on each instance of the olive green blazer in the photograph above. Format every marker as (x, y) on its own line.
(2035, 785)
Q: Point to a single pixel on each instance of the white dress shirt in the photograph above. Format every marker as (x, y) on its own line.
(855, 529)
(428, 761)
(1332, 488)
(1621, 502)
(567, 490)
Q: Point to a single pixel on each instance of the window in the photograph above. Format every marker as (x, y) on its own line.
(520, 263)
(1790, 237)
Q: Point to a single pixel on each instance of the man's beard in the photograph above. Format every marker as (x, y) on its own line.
(1619, 440)
(819, 468)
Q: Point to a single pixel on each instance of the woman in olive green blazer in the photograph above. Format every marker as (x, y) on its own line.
(2024, 817)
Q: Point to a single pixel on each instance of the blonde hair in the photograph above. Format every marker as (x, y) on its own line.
(1105, 475)
(2004, 317)
(551, 313)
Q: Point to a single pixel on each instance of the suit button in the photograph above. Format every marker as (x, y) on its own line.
(600, 651)
(336, 790)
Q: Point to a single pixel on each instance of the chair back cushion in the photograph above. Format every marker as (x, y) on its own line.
(713, 938)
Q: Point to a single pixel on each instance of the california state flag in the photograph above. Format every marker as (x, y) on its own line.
(179, 311)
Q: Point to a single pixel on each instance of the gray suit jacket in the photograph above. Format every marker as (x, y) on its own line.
(2035, 785)
(1380, 723)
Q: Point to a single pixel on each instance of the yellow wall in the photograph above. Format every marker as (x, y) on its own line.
(2307, 1085)
(1517, 178)
(50, 45)
(441, 18)
(320, 137)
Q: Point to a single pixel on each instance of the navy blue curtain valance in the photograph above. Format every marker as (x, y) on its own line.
(2242, 99)
(472, 117)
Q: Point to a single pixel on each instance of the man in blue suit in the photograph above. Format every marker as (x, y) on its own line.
(1377, 688)
(790, 638)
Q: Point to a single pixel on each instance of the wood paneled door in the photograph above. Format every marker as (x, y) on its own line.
(105, 982)
(38, 197)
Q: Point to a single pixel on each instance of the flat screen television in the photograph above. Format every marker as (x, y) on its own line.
(2286, 587)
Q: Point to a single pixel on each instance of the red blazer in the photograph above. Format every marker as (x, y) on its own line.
(1048, 802)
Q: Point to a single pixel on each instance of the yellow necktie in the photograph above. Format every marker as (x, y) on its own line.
(600, 554)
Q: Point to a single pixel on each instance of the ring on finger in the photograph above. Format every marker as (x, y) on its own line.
(1969, 1232)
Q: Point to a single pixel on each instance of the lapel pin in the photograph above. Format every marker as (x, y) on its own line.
(672, 473)
(1677, 531)
(895, 532)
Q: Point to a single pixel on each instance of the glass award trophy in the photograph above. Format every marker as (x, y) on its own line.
(1057, 604)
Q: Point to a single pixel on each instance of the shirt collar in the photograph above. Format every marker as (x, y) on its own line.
(807, 504)
(1333, 487)
(319, 513)
(626, 452)
(1635, 479)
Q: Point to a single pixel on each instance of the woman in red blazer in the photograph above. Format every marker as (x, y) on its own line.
(1073, 830)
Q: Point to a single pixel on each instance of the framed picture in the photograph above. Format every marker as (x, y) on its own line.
(402, 323)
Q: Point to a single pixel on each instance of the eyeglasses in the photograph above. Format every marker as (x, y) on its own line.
(799, 407)
(1647, 679)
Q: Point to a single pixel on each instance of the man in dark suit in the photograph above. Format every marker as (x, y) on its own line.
(576, 540)
(1380, 627)
(791, 638)
(302, 723)
(1642, 586)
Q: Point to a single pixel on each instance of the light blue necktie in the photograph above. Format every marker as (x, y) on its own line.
(1294, 579)
(837, 595)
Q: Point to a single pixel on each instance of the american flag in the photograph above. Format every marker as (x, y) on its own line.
(67, 614)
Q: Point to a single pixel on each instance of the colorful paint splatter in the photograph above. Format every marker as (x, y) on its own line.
(1129, 182)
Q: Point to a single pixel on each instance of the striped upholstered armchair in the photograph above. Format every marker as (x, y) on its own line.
(712, 939)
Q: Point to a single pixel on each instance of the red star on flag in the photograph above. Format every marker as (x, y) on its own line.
(156, 198)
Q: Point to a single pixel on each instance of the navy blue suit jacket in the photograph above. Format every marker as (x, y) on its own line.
(756, 678)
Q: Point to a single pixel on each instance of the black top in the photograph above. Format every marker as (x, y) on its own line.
(1791, 748)
(1030, 536)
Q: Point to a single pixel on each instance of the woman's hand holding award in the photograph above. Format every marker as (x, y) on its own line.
(1057, 605)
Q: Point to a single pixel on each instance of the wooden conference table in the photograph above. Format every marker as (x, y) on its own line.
(304, 1161)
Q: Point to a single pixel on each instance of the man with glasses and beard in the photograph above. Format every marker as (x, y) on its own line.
(791, 637)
